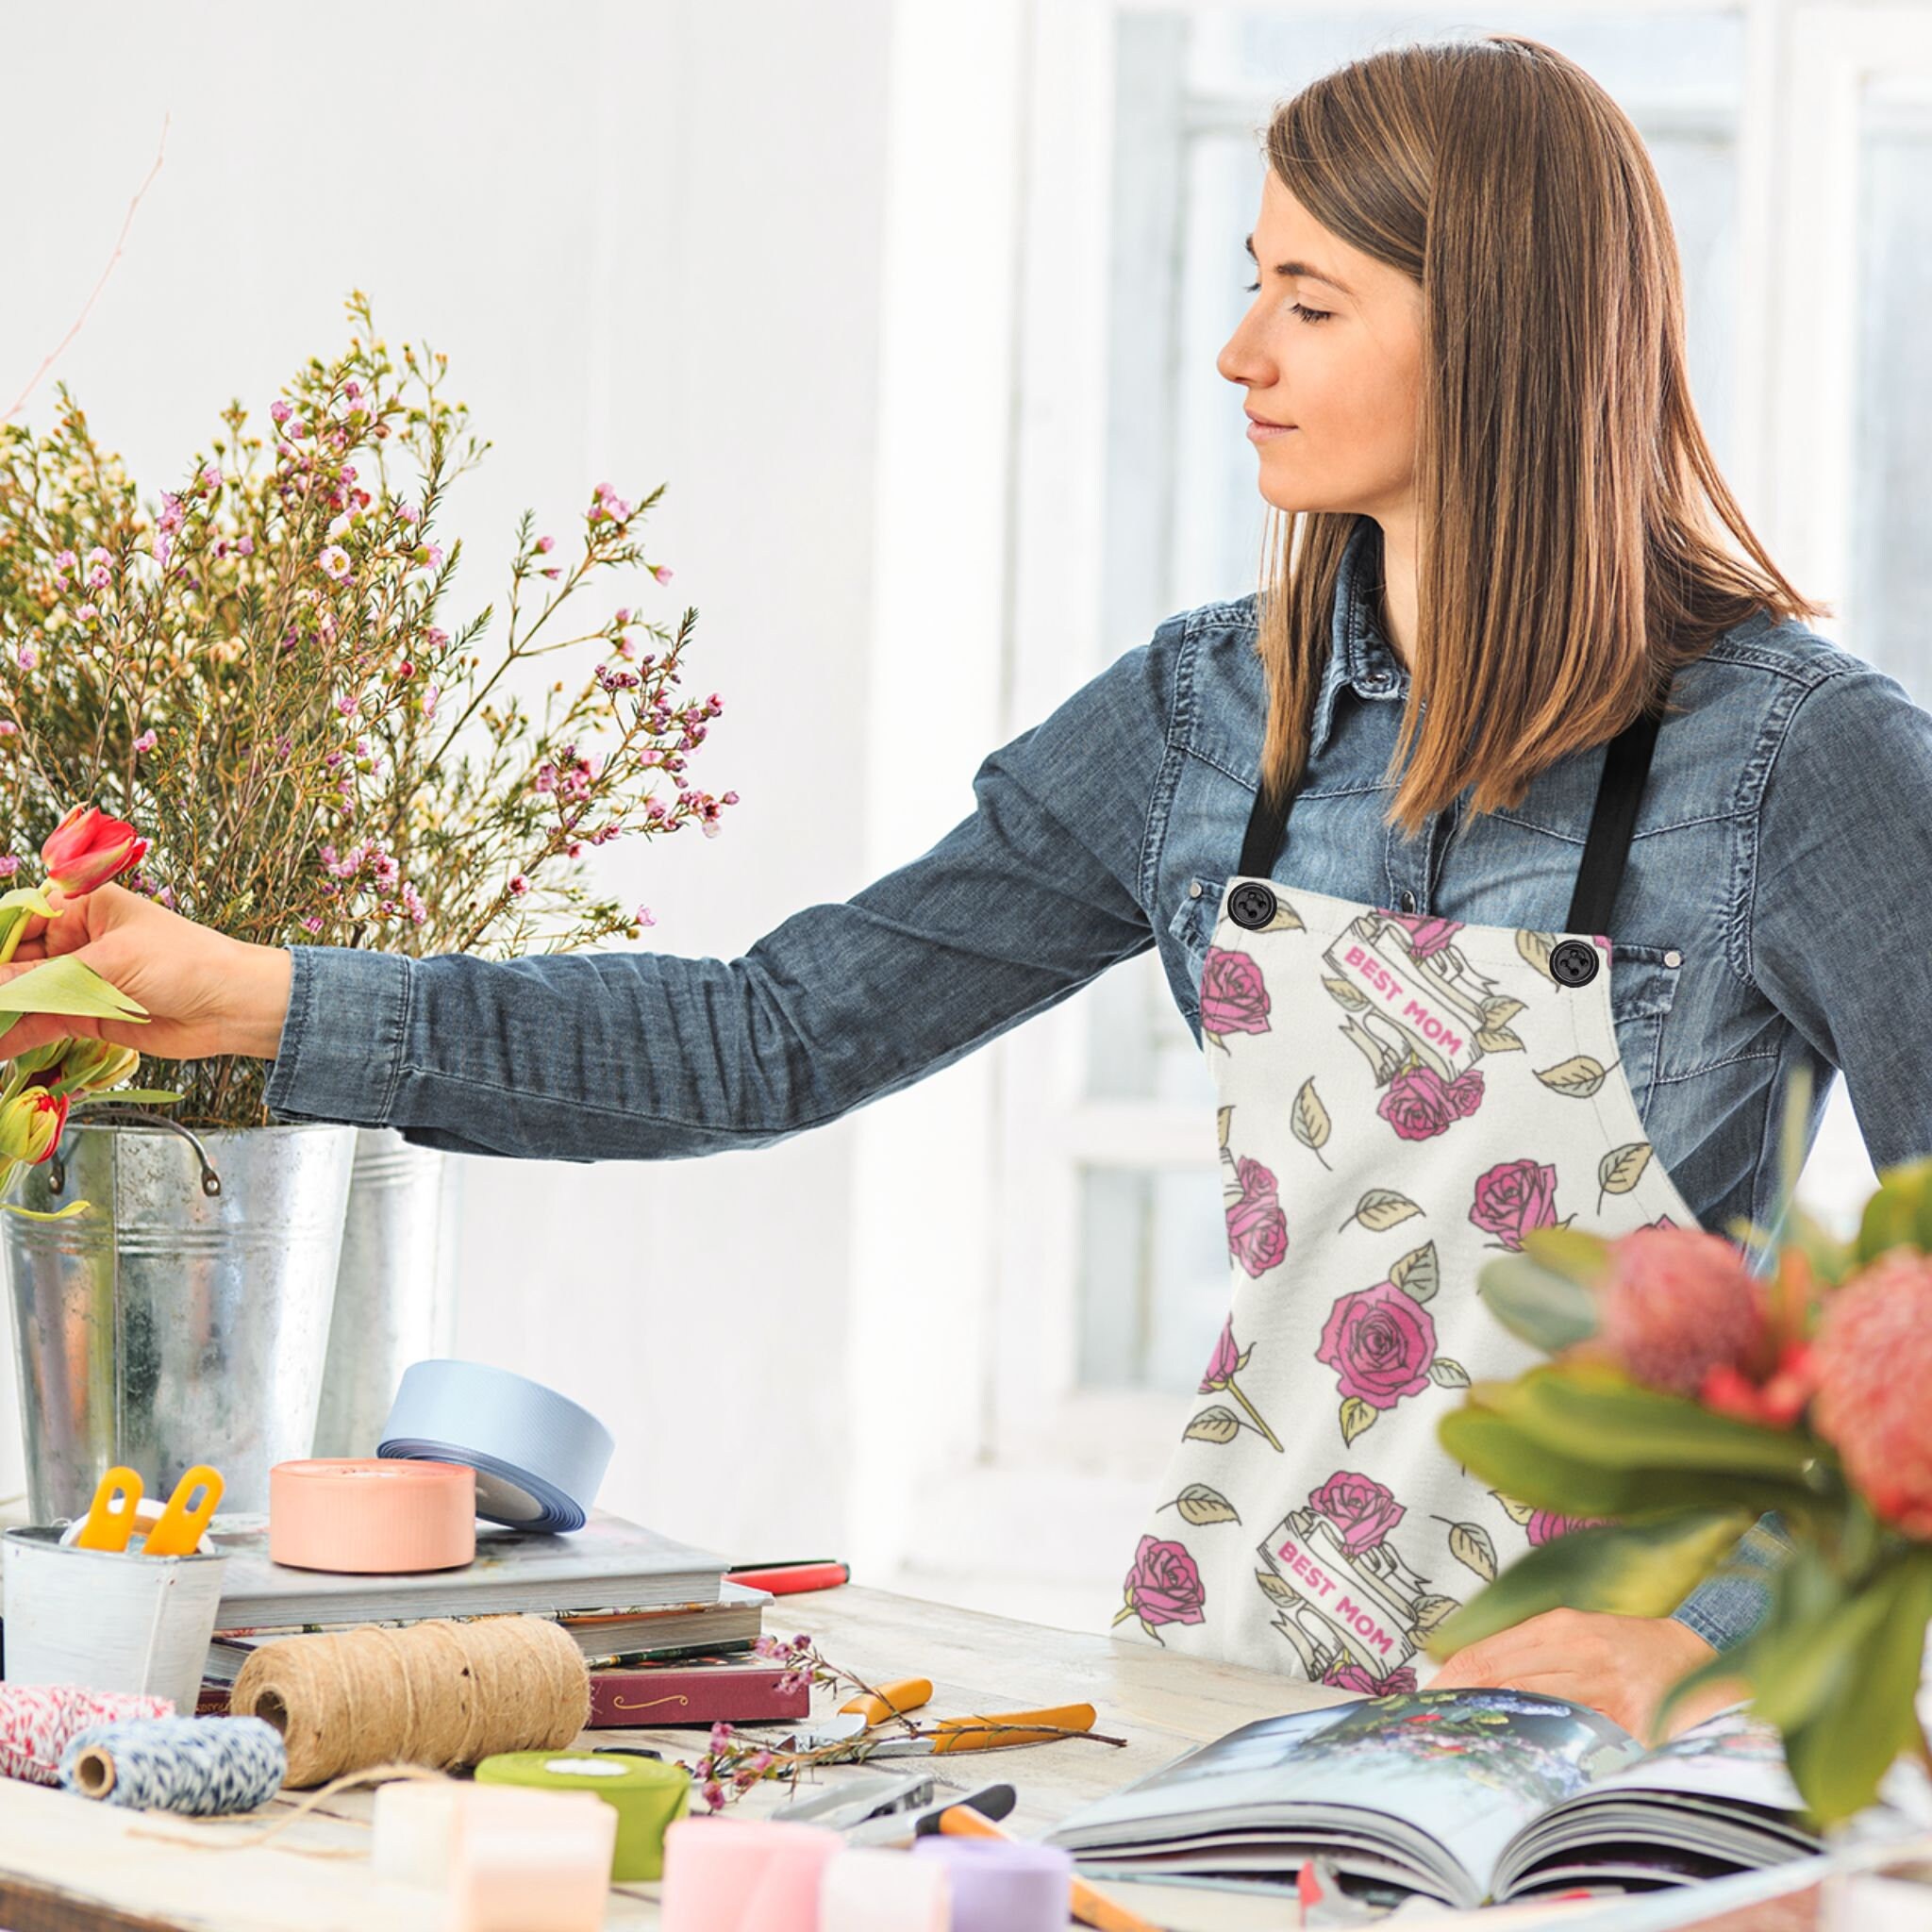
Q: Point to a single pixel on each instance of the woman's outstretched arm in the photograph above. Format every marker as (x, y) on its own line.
(646, 1055)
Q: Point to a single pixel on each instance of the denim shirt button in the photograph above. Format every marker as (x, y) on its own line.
(1193, 888)
(1674, 957)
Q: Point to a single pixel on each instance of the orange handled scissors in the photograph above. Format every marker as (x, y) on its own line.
(861, 1715)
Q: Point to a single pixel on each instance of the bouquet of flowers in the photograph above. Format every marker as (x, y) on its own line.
(39, 1087)
(258, 669)
(1687, 1395)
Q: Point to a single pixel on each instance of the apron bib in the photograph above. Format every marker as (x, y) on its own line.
(1401, 1099)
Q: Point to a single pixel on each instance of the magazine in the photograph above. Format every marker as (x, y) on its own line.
(1464, 1796)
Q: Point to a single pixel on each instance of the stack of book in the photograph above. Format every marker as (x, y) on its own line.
(667, 1636)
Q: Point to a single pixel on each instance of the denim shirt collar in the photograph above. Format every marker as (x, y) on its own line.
(1360, 655)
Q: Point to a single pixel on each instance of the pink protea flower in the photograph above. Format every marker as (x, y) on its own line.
(1873, 1364)
(1675, 1304)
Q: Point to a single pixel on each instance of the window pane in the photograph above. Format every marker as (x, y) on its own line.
(1891, 565)
(1153, 1276)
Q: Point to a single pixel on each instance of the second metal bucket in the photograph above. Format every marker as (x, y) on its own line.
(185, 1317)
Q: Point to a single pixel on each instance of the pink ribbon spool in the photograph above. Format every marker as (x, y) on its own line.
(729, 1874)
(372, 1516)
(1004, 1885)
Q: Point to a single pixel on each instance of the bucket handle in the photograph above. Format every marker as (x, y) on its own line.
(134, 1117)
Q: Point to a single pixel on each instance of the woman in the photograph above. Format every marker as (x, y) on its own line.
(1511, 604)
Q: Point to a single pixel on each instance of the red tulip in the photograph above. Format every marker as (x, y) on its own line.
(30, 1125)
(87, 848)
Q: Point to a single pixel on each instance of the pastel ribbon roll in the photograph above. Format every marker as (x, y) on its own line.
(543, 1866)
(867, 1889)
(1001, 1885)
(731, 1874)
(372, 1516)
(538, 1457)
(648, 1797)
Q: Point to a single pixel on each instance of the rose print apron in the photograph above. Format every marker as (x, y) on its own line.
(1401, 1099)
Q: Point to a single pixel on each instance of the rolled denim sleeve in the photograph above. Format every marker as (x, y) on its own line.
(646, 1055)
(1842, 846)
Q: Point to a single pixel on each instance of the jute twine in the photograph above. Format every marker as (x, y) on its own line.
(437, 1693)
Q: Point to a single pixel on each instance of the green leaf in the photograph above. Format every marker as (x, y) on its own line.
(129, 1096)
(1866, 1714)
(67, 986)
(1546, 1309)
(33, 897)
(1571, 1252)
(66, 1213)
(1632, 1570)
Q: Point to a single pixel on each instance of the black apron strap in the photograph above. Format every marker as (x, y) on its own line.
(1600, 872)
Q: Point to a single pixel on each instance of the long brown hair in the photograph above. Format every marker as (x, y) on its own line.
(1569, 552)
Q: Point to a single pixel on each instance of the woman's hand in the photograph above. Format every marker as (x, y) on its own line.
(205, 994)
(1620, 1666)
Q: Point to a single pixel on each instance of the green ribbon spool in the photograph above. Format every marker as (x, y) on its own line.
(648, 1796)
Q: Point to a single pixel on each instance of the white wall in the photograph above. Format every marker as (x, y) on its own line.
(650, 237)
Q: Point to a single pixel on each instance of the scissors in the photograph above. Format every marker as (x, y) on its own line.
(114, 1514)
(860, 1716)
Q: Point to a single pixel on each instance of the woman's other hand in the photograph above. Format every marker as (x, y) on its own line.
(205, 994)
(1620, 1666)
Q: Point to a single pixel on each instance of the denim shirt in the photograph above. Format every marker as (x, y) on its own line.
(1768, 917)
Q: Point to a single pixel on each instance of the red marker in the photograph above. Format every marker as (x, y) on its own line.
(789, 1578)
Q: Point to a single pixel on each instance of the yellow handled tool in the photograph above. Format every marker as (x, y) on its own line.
(110, 1515)
(1010, 1727)
(891, 1700)
(187, 1514)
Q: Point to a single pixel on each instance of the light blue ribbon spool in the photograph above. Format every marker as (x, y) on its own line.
(539, 1457)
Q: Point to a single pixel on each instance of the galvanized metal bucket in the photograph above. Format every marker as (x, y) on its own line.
(184, 1318)
(394, 1305)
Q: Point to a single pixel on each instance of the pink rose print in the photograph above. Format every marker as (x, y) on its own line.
(1513, 1197)
(1358, 1507)
(1257, 1227)
(1379, 1342)
(1427, 935)
(1545, 1526)
(1464, 1093)
(1222, 1365)
(1163, 1587)
(1353, 1676)
(1234, 996)
(1662, 1221)
(1416, 1105)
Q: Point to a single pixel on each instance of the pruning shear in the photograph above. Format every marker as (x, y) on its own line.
(115, 1513)
(860, 1716)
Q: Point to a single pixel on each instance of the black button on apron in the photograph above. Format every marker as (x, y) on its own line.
(1573, 962)
(1251, 905)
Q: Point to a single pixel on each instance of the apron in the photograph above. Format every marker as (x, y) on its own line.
(1402, 1099)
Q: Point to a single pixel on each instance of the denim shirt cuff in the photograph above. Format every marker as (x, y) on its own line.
(341, 1054)
(1727, 1608)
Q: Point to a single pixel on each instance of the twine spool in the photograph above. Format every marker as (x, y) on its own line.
(435, 1693)
(37, 1721)
(200, 1767)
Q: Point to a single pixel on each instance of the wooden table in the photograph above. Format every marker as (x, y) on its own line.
(69, 1865)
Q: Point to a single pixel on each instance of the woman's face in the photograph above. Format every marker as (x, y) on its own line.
(1330, 349)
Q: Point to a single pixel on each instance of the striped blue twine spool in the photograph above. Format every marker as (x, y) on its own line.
(203, 1767)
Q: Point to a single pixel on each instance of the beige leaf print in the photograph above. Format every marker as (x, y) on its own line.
(1286, 918)
(1200, 1504)
(1448, 1374)
(1310, 1119)
(1215, 1424)
(1470, 1544)
(1380, 1209)
(1498, 1040)
(1419, 1274)
(1429, 1612)
(1224, 1121)
(1500, 1010)
(1536, 947)
(1518, 1513)
(1579, 1076)
(1274, 1588)
(1617, 1172)
(1349, 997)
(1355, 1416)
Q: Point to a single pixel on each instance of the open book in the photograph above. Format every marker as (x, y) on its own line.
(1465, 1796)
